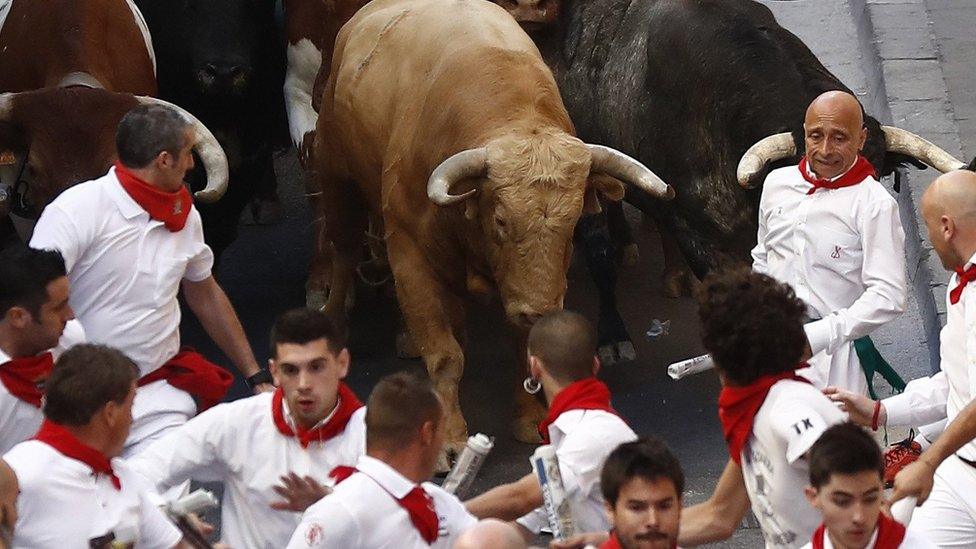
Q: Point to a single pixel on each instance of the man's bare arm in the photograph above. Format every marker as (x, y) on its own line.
(717, 518)
(508, 501)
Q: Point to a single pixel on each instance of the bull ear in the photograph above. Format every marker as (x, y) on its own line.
(609, 187)
(591, 202)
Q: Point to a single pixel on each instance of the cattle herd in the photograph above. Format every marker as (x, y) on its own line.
(455, 147)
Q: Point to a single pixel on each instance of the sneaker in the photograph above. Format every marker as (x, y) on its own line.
(898, 456)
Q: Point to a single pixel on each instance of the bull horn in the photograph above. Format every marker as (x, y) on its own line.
(773, 148)
(905, 142)
(468, 163)
(211, 154)
(616, 164)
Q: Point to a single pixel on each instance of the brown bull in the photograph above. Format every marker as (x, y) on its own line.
(440, 118)
(72, 69)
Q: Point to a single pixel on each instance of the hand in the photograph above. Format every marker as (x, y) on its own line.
(263, 388)
(299, 493)
(205, 528)
(859, 407)
(914, 480)
(579, 541)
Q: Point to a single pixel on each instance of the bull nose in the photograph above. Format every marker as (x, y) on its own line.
(224, 74)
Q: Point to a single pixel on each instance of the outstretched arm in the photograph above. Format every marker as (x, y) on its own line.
(717, 518)
(508, 501)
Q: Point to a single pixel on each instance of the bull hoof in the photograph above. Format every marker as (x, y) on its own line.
(619, 351)
(266, 212)
(679, 283)
(406, 348)
(629, 255)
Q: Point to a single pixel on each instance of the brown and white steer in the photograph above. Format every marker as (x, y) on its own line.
(71, 70)
(440, 118)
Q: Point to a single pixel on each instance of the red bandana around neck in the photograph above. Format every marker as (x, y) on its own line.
(585, 394)
(890, 534)
(614, 542)
(348, 404)
(61, 439)
(737, 408)
(170, 208)
(22, 376)
(965, 277)
(417, 503)
(858, 173)
(190, 371)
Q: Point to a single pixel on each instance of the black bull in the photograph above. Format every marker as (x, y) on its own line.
(686, 88)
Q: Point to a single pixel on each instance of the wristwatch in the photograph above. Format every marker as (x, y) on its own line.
(262, 376)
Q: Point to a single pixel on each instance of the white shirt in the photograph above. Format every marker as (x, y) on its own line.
(791, 419)
(911, 541)
(19, 420)
(946, 393)
(238, 444)
(583, 439)
(843, 252)
(362, 512)
(63, 505)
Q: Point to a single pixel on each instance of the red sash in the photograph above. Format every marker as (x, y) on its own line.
(965, 277)
(858, 173)
(22, 377)
(890, 534)
(612, 543)
(189, 371)
(417, 503)
(170, 208)
(737, 408)
(585, 394)
(61, 439)
(348, 404)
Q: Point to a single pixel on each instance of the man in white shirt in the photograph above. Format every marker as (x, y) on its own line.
(73, 493)
(311, 424)
(130, 240)
(944, 477)
(582, 427)
(753, 327)
(383, 501)
(846, 486)
(832, 232)
(34, 312)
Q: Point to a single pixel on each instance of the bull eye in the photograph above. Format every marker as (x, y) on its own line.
(500, 222)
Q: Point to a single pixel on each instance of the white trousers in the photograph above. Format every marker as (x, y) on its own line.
(948, 517)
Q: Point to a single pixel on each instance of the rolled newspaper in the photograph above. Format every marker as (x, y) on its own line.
(903, 509)
(690, 366)
(198, 500)
(468, 464)
(554, 500)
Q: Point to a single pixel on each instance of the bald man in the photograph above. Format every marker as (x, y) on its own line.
(832, 232)
(944, 477)
(490, 533)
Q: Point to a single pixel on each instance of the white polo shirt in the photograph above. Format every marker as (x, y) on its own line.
(125, 271)
(63, 505)
(362, 512)
(843, 253)
(775, 472)
(19, 420)
(912, 540)
(238, 444)
(583, 439)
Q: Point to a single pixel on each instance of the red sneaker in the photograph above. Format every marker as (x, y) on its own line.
(897, 457)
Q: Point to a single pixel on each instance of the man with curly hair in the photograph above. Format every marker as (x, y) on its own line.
(771, 416)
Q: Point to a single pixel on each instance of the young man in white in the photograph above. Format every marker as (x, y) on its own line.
(944, 477)
(273, 445)
(832, 232)
(131, 240)
(383, 501)
(753, 327)
(34, 316)
(846, 486)
(581, 425)
(73, 493)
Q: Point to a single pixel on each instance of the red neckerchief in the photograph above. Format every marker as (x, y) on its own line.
(614, 543)
(348, 404)
(69, 446)
(170, 208)
(737, 408)
(21, 376)
(189, 371)
(965, 277)
(585, 394)
(858, 173)
(417, 503)
(890, 534)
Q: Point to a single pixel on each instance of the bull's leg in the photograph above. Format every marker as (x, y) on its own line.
(614, 342)
(432, 314)
(677, 278)
(265, 206)
(621, 234)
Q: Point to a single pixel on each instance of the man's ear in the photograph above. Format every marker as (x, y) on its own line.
(811, 493)
(948, 227)
(427, 432)
(610, 512)
(18, 317)
(596, 365)
(275, 372)
(344, 359)
(535, 368)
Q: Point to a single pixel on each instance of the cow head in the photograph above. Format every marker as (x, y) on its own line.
(532, 14)
(526, 193)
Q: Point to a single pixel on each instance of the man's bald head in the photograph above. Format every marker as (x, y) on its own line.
(490, 533)
(949, 209)
(834, 132)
